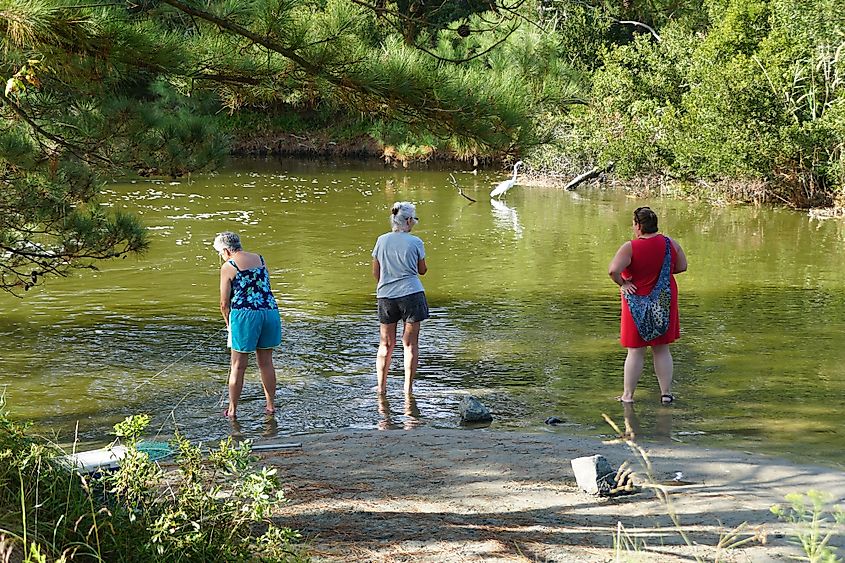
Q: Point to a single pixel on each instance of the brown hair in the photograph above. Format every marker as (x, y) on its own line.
(646, 219)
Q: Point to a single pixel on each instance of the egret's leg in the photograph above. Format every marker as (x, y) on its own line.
(410, 341)
(387, 342)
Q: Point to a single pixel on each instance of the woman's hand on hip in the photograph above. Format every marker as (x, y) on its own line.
(627, 288)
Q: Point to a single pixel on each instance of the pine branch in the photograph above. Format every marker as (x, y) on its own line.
(73, 149)
(227, 78)
(475, 56)
(456, 118)
(264, 41)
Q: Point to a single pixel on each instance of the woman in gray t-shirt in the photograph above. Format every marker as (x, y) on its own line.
(398, 261)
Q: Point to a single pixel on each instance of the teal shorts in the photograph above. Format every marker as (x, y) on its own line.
(251, 329)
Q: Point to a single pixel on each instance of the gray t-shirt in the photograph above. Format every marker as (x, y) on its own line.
(398, 255)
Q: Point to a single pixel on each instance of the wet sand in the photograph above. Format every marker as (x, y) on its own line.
(478, 495)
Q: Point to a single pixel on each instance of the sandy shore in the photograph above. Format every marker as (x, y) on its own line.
(476, 495)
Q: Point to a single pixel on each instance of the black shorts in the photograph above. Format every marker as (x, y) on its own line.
(411, 308)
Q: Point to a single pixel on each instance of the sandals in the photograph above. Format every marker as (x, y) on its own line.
(666, 399)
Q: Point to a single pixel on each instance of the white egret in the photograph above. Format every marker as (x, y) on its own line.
(507, 184)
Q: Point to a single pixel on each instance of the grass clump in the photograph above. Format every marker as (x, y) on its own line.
(628, 547)
(214, 507)
(815, 523)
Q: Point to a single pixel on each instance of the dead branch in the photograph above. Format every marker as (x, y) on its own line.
(460, 191)
(640, 24)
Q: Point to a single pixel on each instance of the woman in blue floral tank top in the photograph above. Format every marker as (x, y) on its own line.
(251, 315)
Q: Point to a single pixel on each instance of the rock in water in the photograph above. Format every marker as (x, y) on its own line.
(472, 410)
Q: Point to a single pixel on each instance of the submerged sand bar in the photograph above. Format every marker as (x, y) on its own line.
(476, 495)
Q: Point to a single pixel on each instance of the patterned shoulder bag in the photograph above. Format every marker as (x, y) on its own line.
(651, 312)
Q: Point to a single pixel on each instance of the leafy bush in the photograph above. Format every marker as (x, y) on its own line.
(753, 94)
(208, 508)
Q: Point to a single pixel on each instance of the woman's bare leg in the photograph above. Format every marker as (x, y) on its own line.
(633, 370)
(411, 343)
(387, 342)
(238, 365)
(268, 377)
(663, 367)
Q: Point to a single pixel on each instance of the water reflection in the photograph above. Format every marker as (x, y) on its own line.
(506, 217)
(385, 415)
(389, 421)
(661, 430)
(235, 429)
(412, 413)
(271, 426)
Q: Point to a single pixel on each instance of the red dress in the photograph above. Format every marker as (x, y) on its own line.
(646, 260)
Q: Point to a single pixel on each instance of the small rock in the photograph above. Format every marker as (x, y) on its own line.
(553, 420)
(594, 474)
(472, 410)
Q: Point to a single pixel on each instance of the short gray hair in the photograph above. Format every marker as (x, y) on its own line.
(400, 213)
(228, 240)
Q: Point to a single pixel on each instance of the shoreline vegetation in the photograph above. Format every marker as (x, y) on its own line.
(202, 505)
(364, 148)
(730, 99)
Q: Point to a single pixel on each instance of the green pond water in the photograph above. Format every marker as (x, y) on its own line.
(524, 315)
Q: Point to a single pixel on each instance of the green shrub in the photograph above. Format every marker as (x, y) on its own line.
(214, 507)
(753, 96)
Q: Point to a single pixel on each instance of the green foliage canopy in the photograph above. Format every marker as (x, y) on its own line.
(755, 91)
(83, 99)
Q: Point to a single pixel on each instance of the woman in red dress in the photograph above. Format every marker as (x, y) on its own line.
(636, 269)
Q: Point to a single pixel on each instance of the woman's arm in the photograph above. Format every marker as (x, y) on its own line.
(376, 270)
(226, 277)
(422, 268)
(621, 261)
(680, 258)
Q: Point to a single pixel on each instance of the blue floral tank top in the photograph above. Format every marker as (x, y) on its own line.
(251, 288)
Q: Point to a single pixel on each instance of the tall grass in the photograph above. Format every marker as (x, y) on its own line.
(629, 548)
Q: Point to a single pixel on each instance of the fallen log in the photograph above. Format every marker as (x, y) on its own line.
(578, 180)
